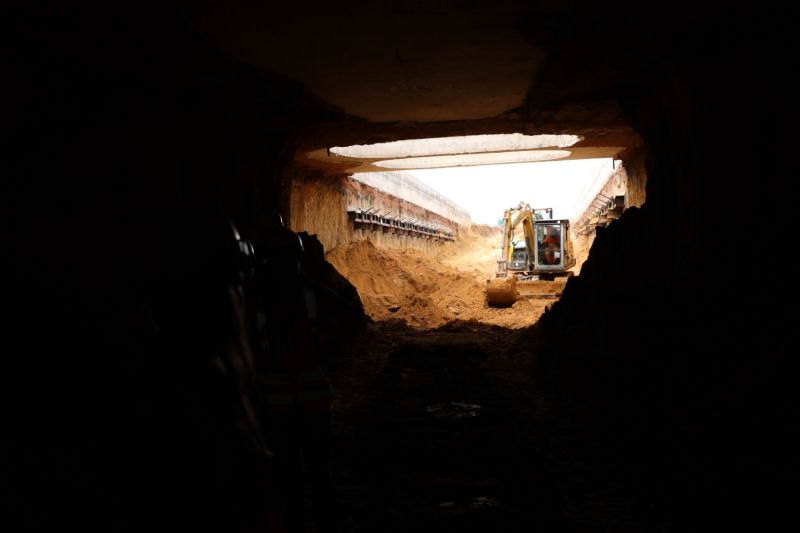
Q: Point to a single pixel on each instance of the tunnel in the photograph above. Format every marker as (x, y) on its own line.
(655, 394)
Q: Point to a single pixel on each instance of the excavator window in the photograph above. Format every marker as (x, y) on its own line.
(549, 241)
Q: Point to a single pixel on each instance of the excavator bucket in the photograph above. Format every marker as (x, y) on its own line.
(501, 292)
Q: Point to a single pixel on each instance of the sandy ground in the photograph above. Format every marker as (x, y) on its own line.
(427, 293)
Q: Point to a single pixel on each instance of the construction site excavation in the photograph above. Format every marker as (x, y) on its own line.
(417, 257)
(431, 401)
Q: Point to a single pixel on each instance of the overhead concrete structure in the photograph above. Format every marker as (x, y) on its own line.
(384, 61)
(492, 149)
(472, 144)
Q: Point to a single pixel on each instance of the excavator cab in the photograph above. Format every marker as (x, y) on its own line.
(553, 249)
(549, 245)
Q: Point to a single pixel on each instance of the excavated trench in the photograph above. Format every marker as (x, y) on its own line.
(432, 405)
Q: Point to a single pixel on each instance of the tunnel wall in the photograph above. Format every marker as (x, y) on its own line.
(696, 395)
(634, 161)
(128, 143)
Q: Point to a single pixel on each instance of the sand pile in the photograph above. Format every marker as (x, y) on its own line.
(427, 293)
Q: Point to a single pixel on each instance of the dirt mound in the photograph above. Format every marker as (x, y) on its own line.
(475, 252)
(484, 230)
(426, 293)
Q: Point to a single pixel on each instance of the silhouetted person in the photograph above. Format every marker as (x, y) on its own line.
(340, 311)
(294, 395)
(203, 449)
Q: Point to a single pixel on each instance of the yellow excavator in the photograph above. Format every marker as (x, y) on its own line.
(543, 253)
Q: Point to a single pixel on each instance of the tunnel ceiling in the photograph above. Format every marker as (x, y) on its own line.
(420, 69)
(414, 62)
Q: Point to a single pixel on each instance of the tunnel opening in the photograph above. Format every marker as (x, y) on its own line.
(420, 244)
(433, 426)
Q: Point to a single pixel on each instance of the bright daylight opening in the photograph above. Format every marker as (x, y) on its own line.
(462, 160)
(470, 144)
(486, 191)
(443, 234)
(434, 239)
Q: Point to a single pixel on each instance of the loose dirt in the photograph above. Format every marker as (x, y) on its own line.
(427, 292)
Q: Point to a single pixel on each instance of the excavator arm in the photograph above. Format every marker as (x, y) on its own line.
(501, 291)
(525, 218)
(513, 218)
(507, 246)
